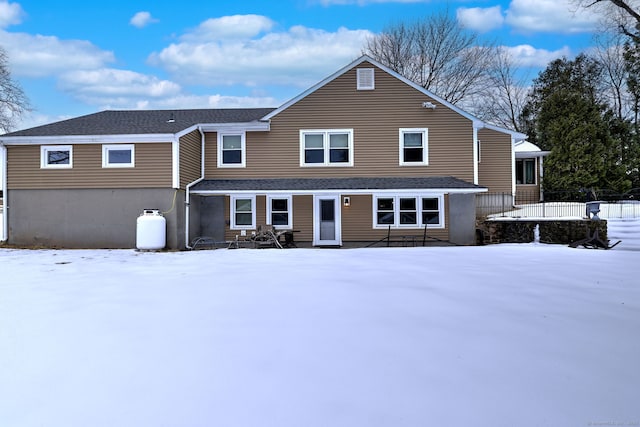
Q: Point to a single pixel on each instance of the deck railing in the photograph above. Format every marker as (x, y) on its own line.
(559, 204)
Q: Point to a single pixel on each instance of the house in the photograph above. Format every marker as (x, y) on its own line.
(363, 154)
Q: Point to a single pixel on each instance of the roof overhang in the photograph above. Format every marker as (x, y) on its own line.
(300, 186)
(531, 154)
(87, 139)
(260, 126)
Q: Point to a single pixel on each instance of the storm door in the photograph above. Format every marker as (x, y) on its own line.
(326, 221)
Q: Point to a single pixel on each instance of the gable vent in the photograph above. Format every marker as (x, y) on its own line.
(366, 80)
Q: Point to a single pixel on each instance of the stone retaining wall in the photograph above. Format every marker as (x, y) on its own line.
(550, 231)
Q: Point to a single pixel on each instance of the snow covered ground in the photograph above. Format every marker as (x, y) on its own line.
(501, 335)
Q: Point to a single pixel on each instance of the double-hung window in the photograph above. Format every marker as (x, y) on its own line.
(279, 213)
(243, 212)
(118, 156)
(414, 146)
(408, 211)
(326, 147)
(231, 150)
(56, 156)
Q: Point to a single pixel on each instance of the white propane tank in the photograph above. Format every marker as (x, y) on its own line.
(151, 230)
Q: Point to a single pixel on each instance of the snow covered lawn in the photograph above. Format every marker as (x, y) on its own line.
(505, 335)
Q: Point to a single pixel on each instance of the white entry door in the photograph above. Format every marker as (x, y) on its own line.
(327, 228)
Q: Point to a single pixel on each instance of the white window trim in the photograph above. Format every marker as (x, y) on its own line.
(232, 208)
(425, 148)
(535, 169)
(105, 155)
(396, 210)
(327, 149)
(44, 150)
(366, 79)
(289, 199)
(243, 149)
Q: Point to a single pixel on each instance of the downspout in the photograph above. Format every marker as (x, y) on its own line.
(475, 152)
(4, 236)
(513, 167)
(188, 192)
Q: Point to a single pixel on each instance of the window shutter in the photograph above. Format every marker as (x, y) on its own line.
(366, 79)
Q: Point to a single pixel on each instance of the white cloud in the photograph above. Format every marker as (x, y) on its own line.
(10, 14)
(528, 56)
(40, 56)
(110, 82)
(480, 19)
(230, 27)
(550, 16)
(300, 56)
(142, 19)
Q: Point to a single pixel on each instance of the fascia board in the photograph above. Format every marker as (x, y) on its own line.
(87, 139)
(346, 191)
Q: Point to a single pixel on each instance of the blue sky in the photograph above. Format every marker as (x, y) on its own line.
(75, 57)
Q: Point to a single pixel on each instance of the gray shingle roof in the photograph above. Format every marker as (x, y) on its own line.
(312, 184)
(129, 122)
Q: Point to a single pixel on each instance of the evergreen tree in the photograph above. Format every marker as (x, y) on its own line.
(563, 115)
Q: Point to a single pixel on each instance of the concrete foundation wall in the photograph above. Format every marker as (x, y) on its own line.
(462, 219)
(92, 218)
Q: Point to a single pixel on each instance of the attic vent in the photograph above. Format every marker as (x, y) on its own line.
(366, 80)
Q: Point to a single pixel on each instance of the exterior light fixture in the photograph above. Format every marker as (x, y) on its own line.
(346, 201)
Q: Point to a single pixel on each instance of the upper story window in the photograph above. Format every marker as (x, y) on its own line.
(408, 211)
(118, 156)
(414, 146)
(56, 156)
(526, 171)
(279, 211)
(231, 150)
(326, 147)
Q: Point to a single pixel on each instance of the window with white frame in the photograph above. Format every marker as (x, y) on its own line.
(414, 147)
(243, 212)
(279, 211)
(326, 147)
(231, 150)
(408, 211)
(526, 171)
(56, 156)
(118, 156)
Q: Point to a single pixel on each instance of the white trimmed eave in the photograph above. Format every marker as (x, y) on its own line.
(531, 154)
(87, 139)
(260, 126)
(345, 191)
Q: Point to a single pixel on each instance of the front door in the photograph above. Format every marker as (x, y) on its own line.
(326, 221)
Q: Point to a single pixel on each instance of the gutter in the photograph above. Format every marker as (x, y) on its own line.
(4, 235)
(187, 192)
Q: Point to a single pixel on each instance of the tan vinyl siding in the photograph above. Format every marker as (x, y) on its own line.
(375, 117)
(152, 169)
(190, 158)
(357, 221)
(494, 169)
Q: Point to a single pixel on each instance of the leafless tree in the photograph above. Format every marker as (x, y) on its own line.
(437, 54)
(620, 15)
(13, 101)
(502, 101)
(609, 52)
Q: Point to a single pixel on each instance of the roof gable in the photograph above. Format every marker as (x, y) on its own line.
(365, 58)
